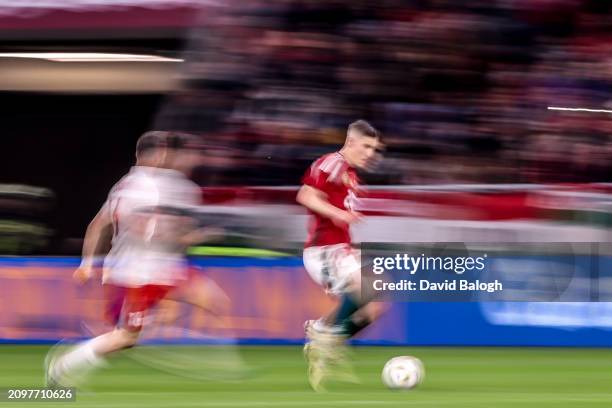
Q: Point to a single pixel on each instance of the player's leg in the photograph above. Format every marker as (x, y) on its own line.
(337, 269)
(114, 298)
(69, 368)
(90, 353)
(203, 293)
(357, 309)
(168, 311)
(348, 318)
(84, 357)
(362, 318)
(198, 291)
(315, 263)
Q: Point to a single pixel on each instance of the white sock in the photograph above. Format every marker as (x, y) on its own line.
(82, 357)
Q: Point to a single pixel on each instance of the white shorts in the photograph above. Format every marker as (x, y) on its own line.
(335, 267)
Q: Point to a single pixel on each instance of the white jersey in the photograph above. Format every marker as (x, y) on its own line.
(145, 250)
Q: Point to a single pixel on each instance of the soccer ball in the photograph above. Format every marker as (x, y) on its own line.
(403, 373)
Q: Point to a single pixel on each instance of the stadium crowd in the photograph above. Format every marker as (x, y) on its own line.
(459, 89)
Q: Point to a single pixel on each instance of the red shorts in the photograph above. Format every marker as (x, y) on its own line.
(127, 307)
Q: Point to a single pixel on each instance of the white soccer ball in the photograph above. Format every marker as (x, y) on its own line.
(403, 372)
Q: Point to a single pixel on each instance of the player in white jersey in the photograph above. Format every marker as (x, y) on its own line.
(147, 213)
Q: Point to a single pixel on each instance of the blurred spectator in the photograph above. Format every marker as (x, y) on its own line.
(460, 89)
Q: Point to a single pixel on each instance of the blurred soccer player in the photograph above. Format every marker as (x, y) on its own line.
(183, 154)
(149, 214)
(329, 192)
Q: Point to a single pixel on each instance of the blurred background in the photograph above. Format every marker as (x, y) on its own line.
(459, 89)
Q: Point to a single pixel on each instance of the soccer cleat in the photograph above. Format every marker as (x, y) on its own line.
(306, 351)
(308, 327)
(58, 375)
(327, 355)
(313, 354)
(340, 365)
(52, 373)
(316, 375)
(312, 329)
(50, 380)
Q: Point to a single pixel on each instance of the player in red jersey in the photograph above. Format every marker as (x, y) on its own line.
(329, 191)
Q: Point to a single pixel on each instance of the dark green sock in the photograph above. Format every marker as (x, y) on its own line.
(351, 328)
(346, 309)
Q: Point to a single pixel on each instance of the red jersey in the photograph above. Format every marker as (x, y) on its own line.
(335, 177)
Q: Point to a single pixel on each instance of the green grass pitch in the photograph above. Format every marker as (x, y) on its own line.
(456, 377)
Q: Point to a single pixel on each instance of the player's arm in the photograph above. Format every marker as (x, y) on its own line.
(200, 235)
(316, 201)
(196, 232)
(97, 239)
(181, 226)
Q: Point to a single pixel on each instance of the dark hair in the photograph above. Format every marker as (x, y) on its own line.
(364, 128)
(161, 138)
(151, 140)
(183, 141)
